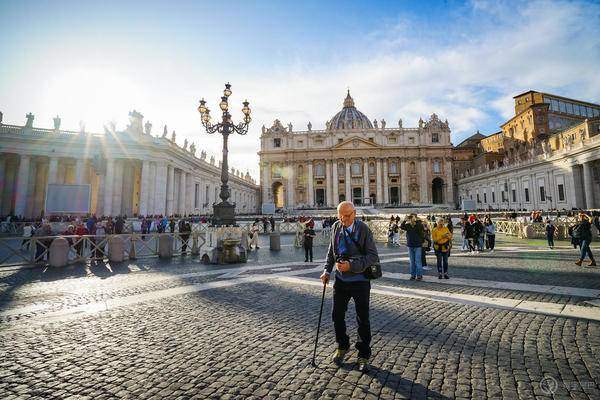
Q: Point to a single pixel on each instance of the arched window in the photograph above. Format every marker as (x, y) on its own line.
(356, 168)
(393, 168)
(320, 170)
(436, 167)
(371, 168)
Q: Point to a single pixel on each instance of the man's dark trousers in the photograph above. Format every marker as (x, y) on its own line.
(308, 251)
(342, 293)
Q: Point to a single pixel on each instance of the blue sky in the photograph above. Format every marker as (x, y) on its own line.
(95, 61)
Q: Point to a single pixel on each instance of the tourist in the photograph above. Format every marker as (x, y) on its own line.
(490, 234)
(307, 242)
(184, 232)
(414, 241)
(28, 232)
(272, 222)
(99, 240)
(583, 232)
(351, 251)
(550, 232)
(442, 238)
(172, 225)
(80, 231)
(265, 224)
(254, 231)
(478, 234)
(426, 246)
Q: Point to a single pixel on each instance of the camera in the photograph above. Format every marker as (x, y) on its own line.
(342, 258)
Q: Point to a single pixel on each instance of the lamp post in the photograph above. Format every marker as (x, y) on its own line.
(224, 212)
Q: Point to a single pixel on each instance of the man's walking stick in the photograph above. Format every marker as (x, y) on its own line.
(314, 364)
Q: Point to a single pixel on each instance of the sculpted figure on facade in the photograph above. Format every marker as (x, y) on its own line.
(383, 123)
(328, 125)
(82, 127)
(400, 123)
(56, 123)
(1, 116)
(212, 160)
(164, 132)
(173, 137)
(203, 155)
(421, 123)
(193, 149)
(264, 130)
(375, 123)
(309, 126)
(29, 123)
(135, 122)
(185, 144)
(290, 127)
(148, 127)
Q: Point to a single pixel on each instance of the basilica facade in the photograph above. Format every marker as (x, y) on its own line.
(129, 172)
(368, 163)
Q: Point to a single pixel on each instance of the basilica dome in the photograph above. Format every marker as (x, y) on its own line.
(349, 117)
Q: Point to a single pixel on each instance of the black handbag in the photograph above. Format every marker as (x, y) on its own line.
(372, 271)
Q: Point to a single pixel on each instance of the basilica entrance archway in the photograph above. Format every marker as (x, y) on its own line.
(278, 194)
(437, 191)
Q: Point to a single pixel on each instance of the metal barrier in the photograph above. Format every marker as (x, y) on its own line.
(34, 250)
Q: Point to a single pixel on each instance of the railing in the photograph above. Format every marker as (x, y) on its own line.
(35, 250)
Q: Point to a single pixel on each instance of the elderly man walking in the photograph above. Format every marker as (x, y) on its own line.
(351, 251)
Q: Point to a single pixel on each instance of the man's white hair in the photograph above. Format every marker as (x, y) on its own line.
(344, 203)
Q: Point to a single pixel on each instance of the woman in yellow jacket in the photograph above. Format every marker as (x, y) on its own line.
(442, 239)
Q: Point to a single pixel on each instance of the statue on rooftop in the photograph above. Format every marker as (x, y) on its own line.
(309, 126)
(56, 123)
(382, 123)
(173, 136)
(148, 127)
(164, 132)
(185, 144)
(193, 149)
(29, 123)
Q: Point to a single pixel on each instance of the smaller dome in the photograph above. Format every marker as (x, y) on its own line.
(350, 117)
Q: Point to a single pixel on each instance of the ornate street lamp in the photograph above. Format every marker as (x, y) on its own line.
(224, 212)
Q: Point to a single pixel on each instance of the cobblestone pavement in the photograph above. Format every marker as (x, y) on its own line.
(180, 329)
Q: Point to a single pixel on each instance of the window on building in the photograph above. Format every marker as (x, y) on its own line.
(392, 140)
(393, 167)
(371, 139)
(435, 137)
(484, 197)
(542, 193)
(300, 143)
(277, 171)
(561, 192)
(514, 195)
(320, 170)
(340, 140)
(493, 197)
(341, 171)
(206, 194)
(562, 106)
(413, 167)
(197, 195)
(277, 142)
(436, 167)
(356, 168)
(570, 108)
(318, 142)
(526, 195)
(478, 199)
(411, 140)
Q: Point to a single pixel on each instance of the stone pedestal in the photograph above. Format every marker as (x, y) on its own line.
(116, 249)
(224, 214)
(165, 246)
(58, 252)
(275, 241)
(224, 246)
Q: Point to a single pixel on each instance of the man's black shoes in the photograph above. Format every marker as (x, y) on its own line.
(338, 357)
(363, 364)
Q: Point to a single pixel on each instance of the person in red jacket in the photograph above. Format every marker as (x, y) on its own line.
(80, 230)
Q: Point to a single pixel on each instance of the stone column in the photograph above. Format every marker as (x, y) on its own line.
(266, 183)
(378, 181)
(348, 181)
(161, 188)
(424, 182)
(182, 192)
(151, 188)
(328, 186)
(30, 209)
(190, 195)
(403, 181)
(290, 186)
(576, 187)
(386, 187)
(588, 185)
(365, 179)
(144, 187)
(311, 191)
(53, 170)
(335, 191)
(21, 185)
(170, 190)
(117, 188)
(108, 186)
(79, 171)
(449, 182)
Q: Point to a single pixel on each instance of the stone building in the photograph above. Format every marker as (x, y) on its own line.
(130, 172)
(358, 160)
(546, 156)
